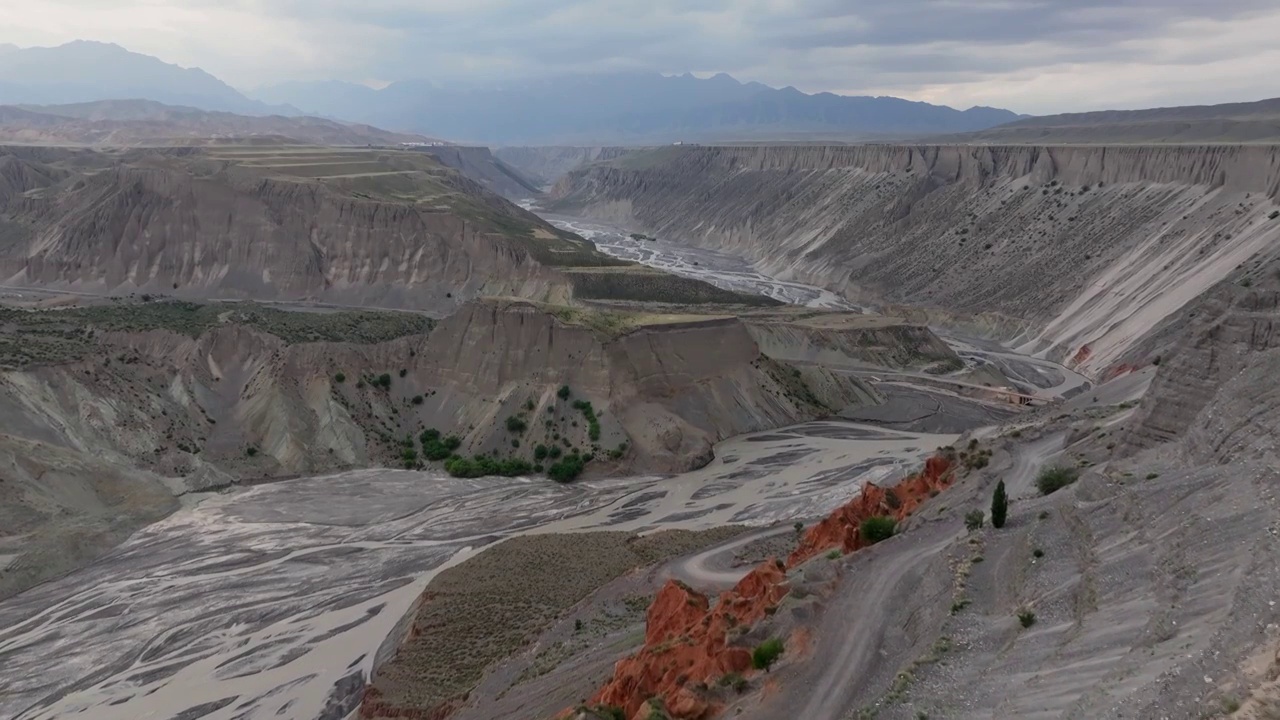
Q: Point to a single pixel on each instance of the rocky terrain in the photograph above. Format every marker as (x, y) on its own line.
(1074, 251)
(200, 396)
(133, 123)
(362, 227)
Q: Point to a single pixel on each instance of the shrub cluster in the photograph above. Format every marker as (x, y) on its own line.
(567, 469)
(435, 447)
(482, 465)
(593, 424)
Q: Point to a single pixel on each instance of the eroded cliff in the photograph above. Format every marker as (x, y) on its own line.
(1086, 246)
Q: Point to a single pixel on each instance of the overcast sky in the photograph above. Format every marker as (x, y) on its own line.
(1035, 56)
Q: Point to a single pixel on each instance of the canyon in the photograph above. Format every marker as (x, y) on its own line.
(754, 350)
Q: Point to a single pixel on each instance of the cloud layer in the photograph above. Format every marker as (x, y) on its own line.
(1037, 56)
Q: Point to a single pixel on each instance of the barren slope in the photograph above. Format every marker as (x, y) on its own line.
(131, 123)
(1252, 122)
(1075, 246)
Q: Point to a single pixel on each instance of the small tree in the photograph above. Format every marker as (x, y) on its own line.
(999, 506)
(563, 392)
(766, 654)
(876, 529)
(974, 520)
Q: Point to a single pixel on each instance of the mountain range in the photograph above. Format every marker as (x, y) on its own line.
(631, 108)
(628, 108)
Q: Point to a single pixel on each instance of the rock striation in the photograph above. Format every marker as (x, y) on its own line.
(1080, 245)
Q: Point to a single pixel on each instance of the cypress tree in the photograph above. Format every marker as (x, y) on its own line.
(999, 506)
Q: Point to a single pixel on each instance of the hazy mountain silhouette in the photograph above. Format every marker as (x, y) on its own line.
(627, 108)
(85, 71)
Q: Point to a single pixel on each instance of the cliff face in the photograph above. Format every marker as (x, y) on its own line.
(655, 388)
(479, 164)
(546, 165)
(1089, 246)
(360, 227)
(180, 404)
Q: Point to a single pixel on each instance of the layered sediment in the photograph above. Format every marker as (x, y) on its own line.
(1086, 246)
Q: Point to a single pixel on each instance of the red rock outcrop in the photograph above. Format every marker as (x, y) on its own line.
(687, 642)
(840, 529)
(686, 639)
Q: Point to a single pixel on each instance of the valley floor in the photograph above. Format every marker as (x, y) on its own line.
(279, 600)
(276, 598)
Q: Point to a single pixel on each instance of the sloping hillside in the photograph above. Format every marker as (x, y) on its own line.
(1072, 251)
(130, 123)
(1252, 122)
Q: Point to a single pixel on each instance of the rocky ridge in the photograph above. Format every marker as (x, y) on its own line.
(215, 403)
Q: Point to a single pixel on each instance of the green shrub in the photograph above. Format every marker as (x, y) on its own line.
(340, 378)
(384, 380)
(540, 452)
(835, 555)
(999, 506)
(568, 469)
(403, 372)
(418, 399)
(563, 392)
(553, 452)
(877, 529)
(1274, 214)
(1052, 479)
(766, 654)
(437, 448)
(1037, 553)
(1026, 617)
(974, 520)
(251, 451)
(589, 413)
(515, 424)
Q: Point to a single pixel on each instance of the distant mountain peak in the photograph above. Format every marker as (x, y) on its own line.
(90, 70)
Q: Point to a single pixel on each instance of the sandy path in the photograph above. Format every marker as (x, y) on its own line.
(824, 689)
